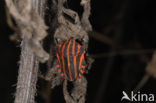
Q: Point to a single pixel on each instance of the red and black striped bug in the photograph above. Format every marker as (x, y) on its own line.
(70, 59)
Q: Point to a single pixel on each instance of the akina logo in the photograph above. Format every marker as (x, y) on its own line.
(138, 97)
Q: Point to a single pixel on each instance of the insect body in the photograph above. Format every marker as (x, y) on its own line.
(70, 58)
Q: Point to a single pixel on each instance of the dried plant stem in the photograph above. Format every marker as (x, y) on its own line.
(26, 85)
(28, 69)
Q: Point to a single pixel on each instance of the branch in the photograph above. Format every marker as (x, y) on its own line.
(150, 72)
(85, 16)
(151, 67)
(101, 37)
(122, 52)
(142, 82)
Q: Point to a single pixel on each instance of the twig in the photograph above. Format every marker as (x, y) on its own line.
(85, 16)
(9, 21)
(122, 53)
(142, 82)
(15, 36)
(150, 72)
(100, 37)
(78, 92)
(150, 69)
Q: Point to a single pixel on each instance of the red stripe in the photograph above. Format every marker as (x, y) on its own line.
(69, 60)
(75, 68)
(73, 52)
(59, 47)
(73, 48)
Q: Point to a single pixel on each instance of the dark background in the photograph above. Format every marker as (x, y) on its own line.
(133, 27)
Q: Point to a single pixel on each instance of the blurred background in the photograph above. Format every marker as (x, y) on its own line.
(122, 43)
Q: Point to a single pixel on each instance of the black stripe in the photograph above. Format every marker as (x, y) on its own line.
(76, 44)
(71, 59)
(77, 64)
(77, 58)
(70, 48)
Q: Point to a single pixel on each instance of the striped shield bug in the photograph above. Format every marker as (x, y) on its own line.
(70, 59)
